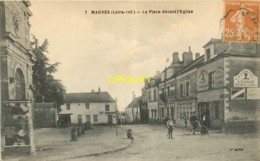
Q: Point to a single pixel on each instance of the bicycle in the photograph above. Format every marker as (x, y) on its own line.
(200, 128)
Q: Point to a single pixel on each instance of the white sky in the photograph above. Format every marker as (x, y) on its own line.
(92, 47)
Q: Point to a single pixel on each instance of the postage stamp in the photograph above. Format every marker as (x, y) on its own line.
(241, 21)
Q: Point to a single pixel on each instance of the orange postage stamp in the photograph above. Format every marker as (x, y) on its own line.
(241, 21)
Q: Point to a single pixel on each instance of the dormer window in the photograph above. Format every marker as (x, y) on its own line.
(208, 54)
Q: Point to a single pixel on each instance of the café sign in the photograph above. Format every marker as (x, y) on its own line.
(245, 79)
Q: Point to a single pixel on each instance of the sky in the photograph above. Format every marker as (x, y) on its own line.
(92, 47)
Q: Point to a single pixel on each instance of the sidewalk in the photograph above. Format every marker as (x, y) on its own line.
(54, 143)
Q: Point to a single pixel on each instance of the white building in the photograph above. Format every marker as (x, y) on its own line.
(133, 110)
(94, 107)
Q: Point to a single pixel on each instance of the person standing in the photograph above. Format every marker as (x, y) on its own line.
(170, 126)
(193, 122)
(204, 123)
(186, 122)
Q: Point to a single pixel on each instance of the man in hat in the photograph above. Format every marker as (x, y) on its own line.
(170, 126)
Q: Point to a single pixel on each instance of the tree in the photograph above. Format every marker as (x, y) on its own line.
(46, 87)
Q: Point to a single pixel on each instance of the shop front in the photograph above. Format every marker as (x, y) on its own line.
(212, 110)
(184, 110)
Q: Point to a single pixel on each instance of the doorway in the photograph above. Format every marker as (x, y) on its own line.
(110, 119)
(204, 107)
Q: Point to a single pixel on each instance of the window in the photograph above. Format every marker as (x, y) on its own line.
(95, 118)
(67, 106)
(181, 90)
(211, 80)
(155, 111)
(80, 119)
(163, 94)
(162, 112)
(168, 90)
(106, 107)
(88, 118)
(187, 88)
(154, 95)
(150, 96)
(87, 105)
(207, 54)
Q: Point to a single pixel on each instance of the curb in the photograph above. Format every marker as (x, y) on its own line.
(98, 153)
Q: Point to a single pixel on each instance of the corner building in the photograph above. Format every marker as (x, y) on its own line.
(228, 85)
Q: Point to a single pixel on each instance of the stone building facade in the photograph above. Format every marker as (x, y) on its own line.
(222, 83)
(225, 80)
(16, 76)
(16, 59)
(186, 91)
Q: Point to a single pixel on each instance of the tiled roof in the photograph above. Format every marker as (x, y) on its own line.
(88, 97)
(135, 102)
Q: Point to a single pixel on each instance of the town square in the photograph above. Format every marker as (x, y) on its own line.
(130, 80)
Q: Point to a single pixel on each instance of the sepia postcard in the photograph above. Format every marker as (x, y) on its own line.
(130, 80)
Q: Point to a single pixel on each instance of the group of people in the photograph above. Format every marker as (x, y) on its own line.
(194, 121)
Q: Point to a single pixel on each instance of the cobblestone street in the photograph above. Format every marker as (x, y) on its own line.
(151, 143)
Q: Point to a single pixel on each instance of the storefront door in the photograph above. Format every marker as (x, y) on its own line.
(110, 119)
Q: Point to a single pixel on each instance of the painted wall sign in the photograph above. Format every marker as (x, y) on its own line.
(219, 78)
(245, 79)
(203, 80)
(253, 93)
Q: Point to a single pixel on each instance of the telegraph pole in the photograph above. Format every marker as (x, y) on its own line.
(116, 114)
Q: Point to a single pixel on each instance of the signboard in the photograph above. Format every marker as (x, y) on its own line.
(253, 93)
(203, 80)
(245, 79)
(238, 93)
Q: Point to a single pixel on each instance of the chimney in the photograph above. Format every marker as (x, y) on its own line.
(99, 89)
(175, 58)
(158, 73)
(187, 57)
(133, 95)
(197, 55)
